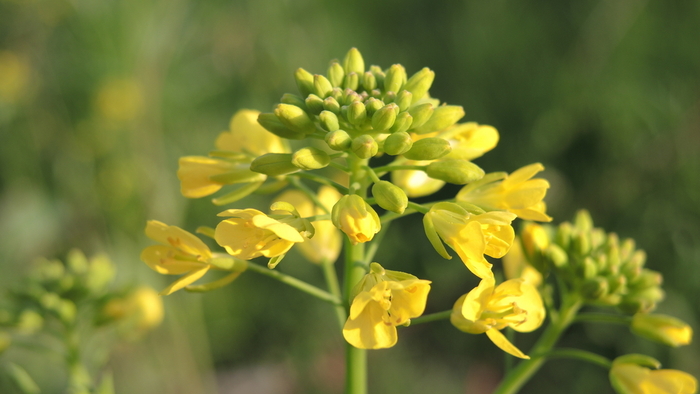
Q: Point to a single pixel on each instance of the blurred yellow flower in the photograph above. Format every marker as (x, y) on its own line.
(120, 99)
(180, 252)
(662, 328)
(629, 377)
(516, 193)
(489, 309)
(515, 265)
(250, 234)
(245, 135)
(201, 176)
(384, 299)
(326, 244)
(353, 216)
(14, 76)
(470, 140)
(142, 309)
(416, 183)
(470, 235)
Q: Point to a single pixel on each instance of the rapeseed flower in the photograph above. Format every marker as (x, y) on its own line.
(357, 219)
(629, 377)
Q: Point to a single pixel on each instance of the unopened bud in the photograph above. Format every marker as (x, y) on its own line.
(581, 244)
(420, 83)
(378, 75)
(389, 196)
(373, 105)
(274, 164)
(357, 113)
(402, 123)
(352, 81)
(305, 82)
(595, 288)
(421, 114)
(273, 124)
(322, 86)
(364, 146)
(331, 104)
(457, 172)
(354, 62)
(294, 118)
(563, 235)
(428, 149)
(384, 118)
(662, 328)
(389, 97)
(310, 158)
(443, 117)
(293, 99)
(329, 121)
(557, 256)
(589, 268)
(398, 143)
(338, 140)
(583, 220)
(336, 73)
(369, 81)
(395, 78)
(314, 104)
(404, 99)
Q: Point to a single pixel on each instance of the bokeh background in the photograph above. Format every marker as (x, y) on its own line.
(98, 99)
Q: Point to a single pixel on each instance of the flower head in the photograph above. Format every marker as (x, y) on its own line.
(384, 299)
(489, 309)
(245, 135)
(516, 193)
(630, 375)
(471, 235)
(180, 252)
(357, 219)
(662, 328)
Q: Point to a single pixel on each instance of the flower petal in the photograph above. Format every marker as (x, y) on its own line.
(184, 280)
(502, 342)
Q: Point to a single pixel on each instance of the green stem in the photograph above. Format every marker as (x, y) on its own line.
(579, 354)
(334, 288)
(319, 179)
(339, 166)
(374, 245)
(603, 318)
(527, 368)
(296, 283)
(309, 193)
(432, 317)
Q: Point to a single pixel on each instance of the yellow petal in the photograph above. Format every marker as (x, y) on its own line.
(502, 342)
(184, 280)
(669, 381)
(462, 324)
(163, 259)
(282, 230)
(409, 300)
(177, 238)
(194, 172)
(476, 300)
(369, 330)
(522, 174)
(530, 301)
(247, 135)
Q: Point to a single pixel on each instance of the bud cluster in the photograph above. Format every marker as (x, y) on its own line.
(596, 264)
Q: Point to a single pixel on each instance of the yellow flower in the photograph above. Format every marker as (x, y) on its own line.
(488, 309)
(416, 183)
(142, 309)
(470, 140)
(180, 252)
(515, 193)
(662, 328)
(250, 234)
(326, 244)
(470, 235)
(353, 216)
(201, 176)
(628, 377)
(245, 135)
(384, 299)
(515, 265)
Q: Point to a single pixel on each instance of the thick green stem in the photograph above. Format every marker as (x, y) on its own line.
(432, 317)
(527, 368)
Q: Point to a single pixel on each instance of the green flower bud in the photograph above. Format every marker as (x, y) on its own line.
(322, 86)
(274, 164)
(398, 143)
(369, 81)
(428, 149)
(583, 220)
(589, 267)
(310, 158)
(443, 117)
(294, 118)
(350, 96)
(404, 99)
(581, 244)
(389, 196)
(402, 123)
(305, 82)
(373, 105)
(354, 62)
(29, 321)
(384, 118)
(329, 121)
(662, 328)
(563, 235)
(639, 359)
(356, 113)
(100, 273)
(421, 114)
(364, 146)
(626, 249)
(557, 256)
(273, 124)
(395, 78)
(314, 104)
(378, 75)
(77, 262)
(338, 140)
(337, 94)
(389, 97)
(458, 172)
(352, 81)
(331, 104)
(293, 99)
(336, 74)
(595, 288)
(420, 83)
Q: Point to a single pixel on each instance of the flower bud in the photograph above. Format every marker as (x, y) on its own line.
(305, 82)
(354, 62)
(395, 78)
(402, 123)
(398, 143)
(428, 149)
(314, 104)
(389, 97)
(384, 118)
(373, 105)
(273, 124)
(662, 328)
(336, 73)
(294, 118)
(421, 114)
(322, 86)
(293, 99)
(589, 267)
(353, 216)
(338, 140)
(310, 158)
(595, 288)
(364, 146)
(563, 235)
(352, 81)
(458, 172)
(404, 99)
(329, 121)
(274, 164)
(378, 75)
(443, 117)
(557, 255)
(389, 196)
(331, 104)
(420, 83)
(356, 113)
(369, 81)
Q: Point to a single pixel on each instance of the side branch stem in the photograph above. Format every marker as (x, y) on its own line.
(296, 283)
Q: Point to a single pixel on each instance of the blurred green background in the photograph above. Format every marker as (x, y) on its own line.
(98, 99)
